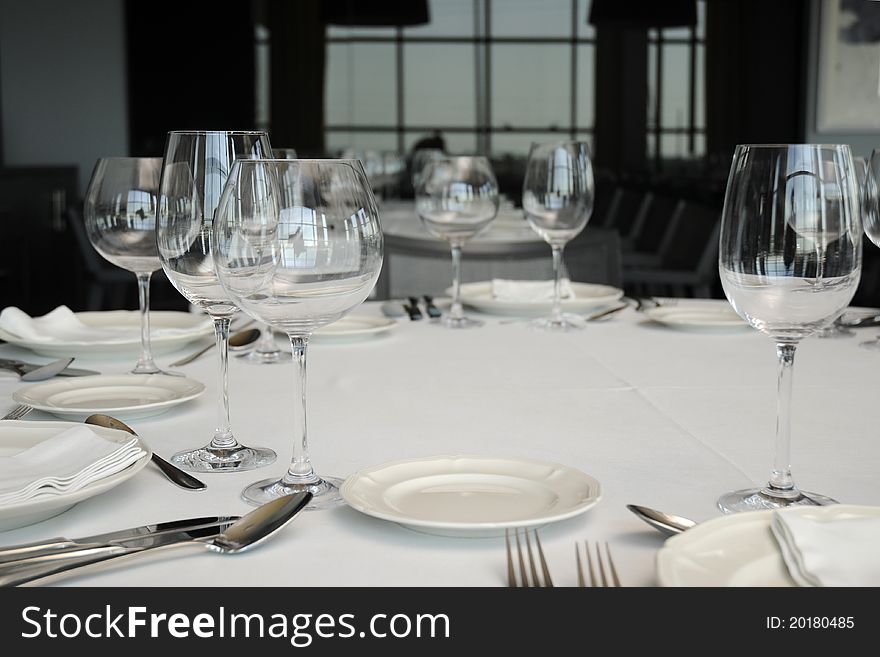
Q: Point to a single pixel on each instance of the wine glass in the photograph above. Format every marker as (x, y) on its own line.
(558, 192)
(193, 174)
(790, 262)
(457, 198)
(871, 216)
(297, 246)
(120, 220)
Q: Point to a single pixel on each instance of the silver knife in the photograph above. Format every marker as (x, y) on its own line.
(23, 368)
(128, 537)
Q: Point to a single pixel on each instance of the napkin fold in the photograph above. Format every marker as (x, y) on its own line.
(524, 291)
(839, 552)
(62, 325)
(64, 463)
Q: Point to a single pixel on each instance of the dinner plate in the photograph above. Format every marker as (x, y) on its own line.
(586, 296)
(354, 327)
(697, 314)
(126, 396)
(184, 328)
(470, 496)
(738, 549)
(17, 436)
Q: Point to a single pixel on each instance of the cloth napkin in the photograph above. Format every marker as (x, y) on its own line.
(524, 291)
(62, 325)
(841, 552)
(64, 463)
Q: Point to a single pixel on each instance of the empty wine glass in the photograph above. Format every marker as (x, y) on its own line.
(790, 262)
(120, 219)
(458, 198)
(558, 193)
(871, 216)
(194, 171)
(297, 245)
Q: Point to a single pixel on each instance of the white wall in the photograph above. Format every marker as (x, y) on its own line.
(63, 82)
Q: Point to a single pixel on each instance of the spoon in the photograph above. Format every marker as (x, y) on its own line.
(175, 474)
(667, 523)
(237, 342)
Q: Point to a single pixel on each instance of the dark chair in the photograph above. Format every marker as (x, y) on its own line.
(105, 281)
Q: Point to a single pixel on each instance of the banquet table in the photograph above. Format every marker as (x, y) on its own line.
(661, 416)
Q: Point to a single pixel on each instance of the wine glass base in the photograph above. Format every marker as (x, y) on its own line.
(566, 322)
(325, 492)
(237, 459)
(154, 369)
(760, 499)
(267, 357)
(461, 322)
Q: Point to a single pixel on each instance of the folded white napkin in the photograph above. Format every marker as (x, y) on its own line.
(507, 290)
(62, 325)
(66, 462)
(840, 552)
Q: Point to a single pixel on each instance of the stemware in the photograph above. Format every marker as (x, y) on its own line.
(871, 215)
(790, 262)
(119, 211)
(297, 245)
(558, 192)
(195, 169)
(456, 200)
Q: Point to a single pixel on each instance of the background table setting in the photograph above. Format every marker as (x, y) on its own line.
(546, 406)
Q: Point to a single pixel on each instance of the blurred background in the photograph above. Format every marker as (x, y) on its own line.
(662, 92)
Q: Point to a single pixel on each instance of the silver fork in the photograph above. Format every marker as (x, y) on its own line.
(536, 581)
(17, 413)
(607, 572)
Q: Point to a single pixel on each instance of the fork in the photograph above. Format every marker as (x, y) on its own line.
(607, 571)
(17, 413)
(524, 581)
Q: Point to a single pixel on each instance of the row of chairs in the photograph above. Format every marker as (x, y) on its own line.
(669, 244)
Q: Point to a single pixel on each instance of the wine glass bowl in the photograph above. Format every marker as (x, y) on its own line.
(557, 199)
(195, 169)
(456, 200)
(297, 246)
(790, 262)
(119, 212)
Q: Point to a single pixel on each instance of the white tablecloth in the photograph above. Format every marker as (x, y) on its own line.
(662, 417)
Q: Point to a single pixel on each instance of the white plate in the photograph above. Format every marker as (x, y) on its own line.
(126, 396)
(587, 296)
(354, 326)
(738, 550)
(697, 314)
(188, 327)
(16, 436)
(470, 495)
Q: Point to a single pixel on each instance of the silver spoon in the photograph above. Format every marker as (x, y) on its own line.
(667, 523)
(237, 342)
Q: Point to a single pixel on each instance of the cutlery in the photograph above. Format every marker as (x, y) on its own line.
(245, 533)
(605, 313)
(607, 571)
(412, 308)
(17, 413)
(432, 310)
(136, 536)
(24, 368)
(861, 322)
(237, 342)
(524, 582)
(47, 371)
(175, 474)
(667, 523)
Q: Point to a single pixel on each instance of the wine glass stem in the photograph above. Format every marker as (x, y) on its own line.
(456, 311)
(223, 438)
(300, 470)
(266, 345)
(557, 277)
(145, 363)
(780, 478)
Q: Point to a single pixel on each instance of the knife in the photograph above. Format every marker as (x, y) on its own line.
(412, 308)
(134, 537)
(23, 368)
(47, 371)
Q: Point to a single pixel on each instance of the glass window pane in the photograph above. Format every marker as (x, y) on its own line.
(439, 85)
(361, 85)
(339, 141)
(673, 145)
(652, 84)
(585, 27)
(586, 86)
(701, 19)
(676, 86)
(700, 89)
(531, 85)
(457, 143)
(359, 31)
(527, 18)
(677, 33)
(699, 144)
(518, 144)
(448, 18)
(651, 146)
(587, 137)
